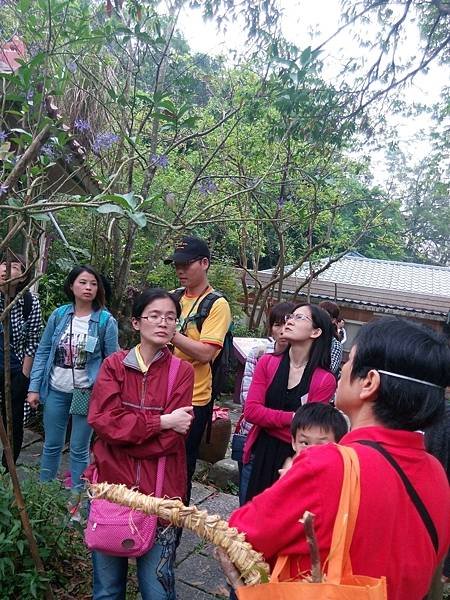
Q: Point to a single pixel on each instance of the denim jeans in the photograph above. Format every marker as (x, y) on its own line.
(56, 418)
(243, 482)
(154, 570)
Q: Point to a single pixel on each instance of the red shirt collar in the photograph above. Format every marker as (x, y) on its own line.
(389, 437)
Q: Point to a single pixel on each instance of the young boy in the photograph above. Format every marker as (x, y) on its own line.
(315, 424)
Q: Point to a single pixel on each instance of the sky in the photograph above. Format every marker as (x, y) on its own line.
(303, 17)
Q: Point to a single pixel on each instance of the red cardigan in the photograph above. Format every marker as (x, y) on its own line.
(390, 538)
(125, 412)
(278, 422)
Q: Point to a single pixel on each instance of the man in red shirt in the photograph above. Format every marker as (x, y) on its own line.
(391, 388)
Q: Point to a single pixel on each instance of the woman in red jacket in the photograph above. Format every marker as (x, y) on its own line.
(280, 385)
(136, 424)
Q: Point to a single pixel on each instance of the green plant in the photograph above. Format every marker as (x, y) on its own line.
(232, 488)
(51, 292)
(61, 548)
(241, 330)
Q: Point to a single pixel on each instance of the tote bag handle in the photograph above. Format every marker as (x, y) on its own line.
(339, 564)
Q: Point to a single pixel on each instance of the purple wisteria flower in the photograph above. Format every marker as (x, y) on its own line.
(160, 160)
(3, 189)
(48, 150)
(206, 187)
(104, 141)
(81, 125)
(30, 95)
(34, 49)
(3, 136)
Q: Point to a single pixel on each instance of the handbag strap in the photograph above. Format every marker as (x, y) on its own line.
(71, 351)
(412, 493)
(161, 468)
(339, 564)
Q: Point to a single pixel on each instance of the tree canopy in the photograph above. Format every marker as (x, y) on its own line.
(116, 138)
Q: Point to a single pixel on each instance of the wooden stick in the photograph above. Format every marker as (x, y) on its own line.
(6, 437)
(308, 524)
(7, 400)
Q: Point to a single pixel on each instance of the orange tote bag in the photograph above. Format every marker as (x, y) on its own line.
(341, 583)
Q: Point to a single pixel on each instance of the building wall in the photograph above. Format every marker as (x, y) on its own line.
(356, 317)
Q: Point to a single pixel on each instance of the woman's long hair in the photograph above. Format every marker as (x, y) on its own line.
(320, 352)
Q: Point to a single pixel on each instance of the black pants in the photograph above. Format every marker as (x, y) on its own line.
(202, 415)
(19, 389)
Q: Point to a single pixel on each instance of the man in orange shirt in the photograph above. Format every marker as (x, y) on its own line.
(198, 344)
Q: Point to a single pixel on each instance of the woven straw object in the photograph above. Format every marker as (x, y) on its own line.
(210, 528)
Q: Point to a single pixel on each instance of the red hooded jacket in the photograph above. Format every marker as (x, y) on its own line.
(125, 412)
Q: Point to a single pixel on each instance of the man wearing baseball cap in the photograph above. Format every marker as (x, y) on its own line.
(191, 259)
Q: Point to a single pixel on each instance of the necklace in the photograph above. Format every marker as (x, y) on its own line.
(298, 366)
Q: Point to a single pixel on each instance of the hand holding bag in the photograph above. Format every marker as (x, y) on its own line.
(341, 583)
(119, 530)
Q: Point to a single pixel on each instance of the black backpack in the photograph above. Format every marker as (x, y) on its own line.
(224, 363)
(27, 305)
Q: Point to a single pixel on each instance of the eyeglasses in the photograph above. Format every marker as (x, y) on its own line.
(297, 317)
(155, 319)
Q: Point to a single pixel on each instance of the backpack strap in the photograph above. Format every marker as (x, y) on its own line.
(178, 293)
(205, 306)
(105, 315)
(412, 493)
(62, 310)
(173, 372)
(27, 305)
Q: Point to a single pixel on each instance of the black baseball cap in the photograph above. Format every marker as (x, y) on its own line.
(188, 250)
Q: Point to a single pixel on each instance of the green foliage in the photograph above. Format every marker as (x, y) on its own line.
(51, 292)
(252, 157)
(221, 276)
(240, 329)
(163, 276)
(59, 546)
(232, 488)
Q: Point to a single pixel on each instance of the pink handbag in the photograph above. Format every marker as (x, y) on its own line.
(119, 530)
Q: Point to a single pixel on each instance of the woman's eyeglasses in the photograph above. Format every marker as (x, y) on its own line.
(297, 317)
(156, 319)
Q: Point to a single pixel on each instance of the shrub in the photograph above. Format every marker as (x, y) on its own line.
(61, 548)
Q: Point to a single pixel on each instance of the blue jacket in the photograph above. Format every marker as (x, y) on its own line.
(105, 331)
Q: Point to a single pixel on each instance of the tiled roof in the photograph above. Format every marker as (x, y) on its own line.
(388, 284)
(386, 274)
